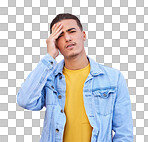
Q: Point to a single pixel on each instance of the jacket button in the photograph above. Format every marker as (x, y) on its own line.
(59, 96)
(62, 111)
(104, 95)
(57, 130)
(51, 62)
(52, 87)
(60, 77)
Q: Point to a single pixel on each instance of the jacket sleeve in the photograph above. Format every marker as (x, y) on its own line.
(31, 95)
(122, 123)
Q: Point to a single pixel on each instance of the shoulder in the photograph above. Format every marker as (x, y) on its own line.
(111, 72)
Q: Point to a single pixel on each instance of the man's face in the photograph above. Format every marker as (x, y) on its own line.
(71, 34)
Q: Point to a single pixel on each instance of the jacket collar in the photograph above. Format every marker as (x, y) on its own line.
(95, 68)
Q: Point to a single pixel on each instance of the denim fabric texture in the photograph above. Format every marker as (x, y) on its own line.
(106, 100)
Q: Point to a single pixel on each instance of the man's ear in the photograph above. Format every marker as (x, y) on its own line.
(84, 35)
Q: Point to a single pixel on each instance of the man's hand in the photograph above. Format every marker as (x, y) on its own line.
(51, 41)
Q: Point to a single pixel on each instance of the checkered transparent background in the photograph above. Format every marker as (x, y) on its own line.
(117, 36)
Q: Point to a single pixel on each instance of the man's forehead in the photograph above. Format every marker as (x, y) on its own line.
(68, 23)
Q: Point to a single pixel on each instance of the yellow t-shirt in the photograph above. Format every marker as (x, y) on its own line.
(77, 127)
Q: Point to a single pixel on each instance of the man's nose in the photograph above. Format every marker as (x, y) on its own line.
(67, 37)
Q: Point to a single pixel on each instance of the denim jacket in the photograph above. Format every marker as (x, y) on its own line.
(106, 100)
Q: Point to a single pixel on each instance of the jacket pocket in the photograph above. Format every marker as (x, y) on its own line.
(103, 99)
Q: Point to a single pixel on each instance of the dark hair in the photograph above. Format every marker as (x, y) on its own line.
(63, 16)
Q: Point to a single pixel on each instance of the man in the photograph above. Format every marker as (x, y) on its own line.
(84, 100)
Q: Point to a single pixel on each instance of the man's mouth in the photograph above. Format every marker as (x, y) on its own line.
(70, 46)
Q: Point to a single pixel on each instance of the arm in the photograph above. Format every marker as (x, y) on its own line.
(122, 123)
(31, 94)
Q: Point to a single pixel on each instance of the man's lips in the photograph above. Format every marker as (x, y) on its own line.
(70, 45)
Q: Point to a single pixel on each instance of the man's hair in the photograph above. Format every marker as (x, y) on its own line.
(63, 16)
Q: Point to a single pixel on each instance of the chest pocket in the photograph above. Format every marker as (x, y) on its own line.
(103, 99)
(51, 95)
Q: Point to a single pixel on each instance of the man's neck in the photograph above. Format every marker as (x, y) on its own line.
(76, 63)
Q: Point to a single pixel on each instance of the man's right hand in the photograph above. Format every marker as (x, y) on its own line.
(51, 41)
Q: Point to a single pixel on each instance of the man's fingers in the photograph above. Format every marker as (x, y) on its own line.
(58, 31)
(53, 27)
(56, 27)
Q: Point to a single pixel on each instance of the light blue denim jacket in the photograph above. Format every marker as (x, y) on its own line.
(106, 100)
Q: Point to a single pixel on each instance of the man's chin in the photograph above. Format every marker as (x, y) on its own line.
(70, 56)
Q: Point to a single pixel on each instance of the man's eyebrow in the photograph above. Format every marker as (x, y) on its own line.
(69, 30)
